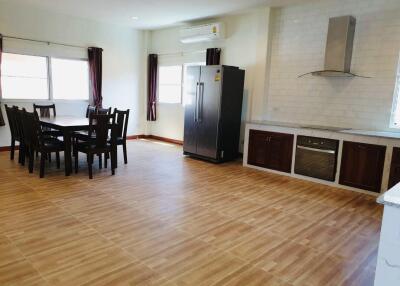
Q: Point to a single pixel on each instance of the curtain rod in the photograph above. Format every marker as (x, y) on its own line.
(46, 42)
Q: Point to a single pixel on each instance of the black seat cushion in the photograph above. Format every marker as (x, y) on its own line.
(52, 133)
(53, 143)
(118, 140)
(90, 147)
(83, 135)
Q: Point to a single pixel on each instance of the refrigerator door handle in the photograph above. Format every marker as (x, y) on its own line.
(201, 96)
(196, 102)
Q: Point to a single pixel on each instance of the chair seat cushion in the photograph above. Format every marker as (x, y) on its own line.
(83, 135)
(52, 133)
(53, 143)
(89, 145)
(118, 140)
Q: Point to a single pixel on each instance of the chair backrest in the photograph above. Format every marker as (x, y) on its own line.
(121, 122)
(103, 111)
(18, 124)
(45, 110)
(101, 124)
(11, 120)
(31, 128)
(90, 110)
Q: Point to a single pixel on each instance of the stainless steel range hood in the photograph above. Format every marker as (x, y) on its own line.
(339, 48)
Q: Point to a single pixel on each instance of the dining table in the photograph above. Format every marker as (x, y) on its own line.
(67, 125)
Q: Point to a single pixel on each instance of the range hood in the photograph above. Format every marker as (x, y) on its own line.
(339, 48)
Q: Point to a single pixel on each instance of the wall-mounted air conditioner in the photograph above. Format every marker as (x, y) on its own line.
(203, 33)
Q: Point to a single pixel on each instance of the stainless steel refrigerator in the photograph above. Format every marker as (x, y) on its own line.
(214, 96)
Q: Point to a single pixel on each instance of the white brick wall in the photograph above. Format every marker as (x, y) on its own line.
(298, 46)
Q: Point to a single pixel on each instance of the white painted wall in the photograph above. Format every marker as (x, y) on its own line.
(245, 46)
(123, 58)
(298, 46)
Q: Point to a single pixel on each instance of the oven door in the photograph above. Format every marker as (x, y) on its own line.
(316, 163)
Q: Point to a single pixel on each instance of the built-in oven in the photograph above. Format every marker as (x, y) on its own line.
(316, 157)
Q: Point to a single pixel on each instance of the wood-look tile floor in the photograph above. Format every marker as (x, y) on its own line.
(169, 220)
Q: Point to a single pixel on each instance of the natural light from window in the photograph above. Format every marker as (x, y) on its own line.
(170, 84)
(24, 77)
(70, 79)
(186, 96)
(395, 120)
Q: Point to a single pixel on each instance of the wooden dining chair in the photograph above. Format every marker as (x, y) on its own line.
(121, 123)
(12, 125)
(90, 110)
(16, 133)
(103, 125)
(36, 141)
(100, 110)
(48, 110)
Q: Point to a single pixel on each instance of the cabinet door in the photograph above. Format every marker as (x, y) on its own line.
(394, 177)
(190, 129)
(258, 148)
(362, 166)
(280, 150)
(209, 102)
(270, 150)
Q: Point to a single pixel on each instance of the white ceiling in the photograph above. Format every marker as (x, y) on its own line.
(152, 14)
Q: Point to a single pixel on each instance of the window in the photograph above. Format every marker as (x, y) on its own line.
(186, 98)
(170, 84)
(24, 77)
(171, 87)
(27, 77)
(70, 79)
(395, 120)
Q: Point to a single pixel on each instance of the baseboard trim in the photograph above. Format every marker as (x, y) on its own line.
(134, 137)
(158, 138)
(7, 148)
(131, 137)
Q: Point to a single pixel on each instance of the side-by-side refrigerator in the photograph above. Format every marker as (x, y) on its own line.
(213, 109)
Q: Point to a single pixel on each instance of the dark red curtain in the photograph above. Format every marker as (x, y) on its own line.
(95, 74)
(213, 56)
(152, 88)
(1, 52)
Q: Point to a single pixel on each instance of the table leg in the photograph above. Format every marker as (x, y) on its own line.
(67, 153)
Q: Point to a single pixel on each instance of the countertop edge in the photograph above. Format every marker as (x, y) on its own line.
(391, 197)
(358, 132)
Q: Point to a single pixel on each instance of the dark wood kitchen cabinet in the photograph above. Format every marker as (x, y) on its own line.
(362, 166)
(270, 150)
(394, 176)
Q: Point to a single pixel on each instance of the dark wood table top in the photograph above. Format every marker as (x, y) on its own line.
(66, 122)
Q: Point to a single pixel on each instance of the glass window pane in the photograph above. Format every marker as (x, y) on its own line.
(70, 79)
(170, 75)
(170, 93)
(24, 77)
(24, 88)
(186, 92)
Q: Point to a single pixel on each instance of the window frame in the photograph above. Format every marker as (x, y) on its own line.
(49, 81)
(159, 83)
(183, 69)
(3, 99)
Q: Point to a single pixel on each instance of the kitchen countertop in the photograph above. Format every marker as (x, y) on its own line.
(391, 197)
(373, 133)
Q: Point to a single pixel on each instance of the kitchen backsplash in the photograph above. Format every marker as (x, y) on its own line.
(298, 46)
